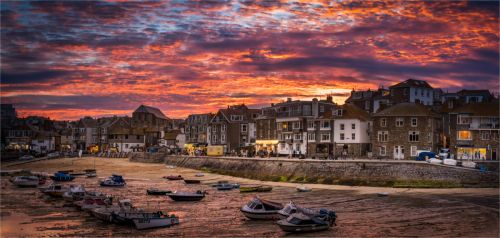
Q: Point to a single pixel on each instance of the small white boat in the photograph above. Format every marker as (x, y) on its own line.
(300, 222)
(450, 162)
(75, 193)
(144, 220)
(26, 181)
(435, 161)
(171, 166)
(292, 208)
(154, 222)
(54, 190)
(303, 189)
(383, 194)
(469, 164)
(199, 175)
(261, 209)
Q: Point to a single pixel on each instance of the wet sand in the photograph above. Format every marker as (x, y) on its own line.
(405, 212)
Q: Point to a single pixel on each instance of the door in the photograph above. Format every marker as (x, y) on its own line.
(399, 152)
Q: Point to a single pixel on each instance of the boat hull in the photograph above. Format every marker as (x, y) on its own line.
(181, 198)
(301, 228)
(189, 181)
(158, 192)
(148, 223)
(260, 215)
(56, 194)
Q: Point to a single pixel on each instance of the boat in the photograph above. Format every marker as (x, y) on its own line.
(219, 183)
(144, 220)
(155, 191)
(62, 177)
(113, 181)
(303, 189)
(54, 190)
(259, 208)
(383, 194)
(192, 181)
(199, 175)
(301, 222)
(95, 202)
(187, 196)
(75, 193)
(104, 213)
(255, 188)
(171, 166)
(291, 208)
(173, 177)
(26, 181)
(90, 173)
(227, 186)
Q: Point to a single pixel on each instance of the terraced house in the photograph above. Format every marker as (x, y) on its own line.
(233, 127)
(474, 131)
(403, 129)
(196, 127)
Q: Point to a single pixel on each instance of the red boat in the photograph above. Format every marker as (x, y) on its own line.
(173, 177)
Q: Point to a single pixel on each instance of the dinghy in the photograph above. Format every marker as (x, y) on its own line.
(303, 189)
(255, 188)
(192, 181)
(75, 193)
(62, 177)
(144, 220)
(301, 222)
(261, 209)
(173, 177)
(55, 190)
(155, 191)
(187, 196)
(113, 181)
(292, 208)
(26, 181)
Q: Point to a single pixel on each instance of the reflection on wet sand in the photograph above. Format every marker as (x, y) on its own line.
(445, 212)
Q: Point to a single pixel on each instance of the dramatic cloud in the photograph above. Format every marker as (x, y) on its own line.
(69, 59)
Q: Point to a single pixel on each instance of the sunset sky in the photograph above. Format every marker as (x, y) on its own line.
(67, 60)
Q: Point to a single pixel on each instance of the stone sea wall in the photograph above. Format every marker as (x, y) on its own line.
(358, 172)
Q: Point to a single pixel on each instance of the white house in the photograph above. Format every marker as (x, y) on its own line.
(351, 132)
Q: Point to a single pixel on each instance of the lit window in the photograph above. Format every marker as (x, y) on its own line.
(464, 135)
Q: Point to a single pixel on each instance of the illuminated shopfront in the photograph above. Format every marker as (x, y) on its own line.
(470, 153)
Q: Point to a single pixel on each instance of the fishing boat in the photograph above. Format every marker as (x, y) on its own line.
(291, 208)
(192, 181)
(75, 193)
(26, 181)
(55, 190)
(259, 208)
(144, 220)
(113, 181)
(104, 213)
(227, 186)
(95, 202)
(219, 183)
(303, 189)
(173, 177)
(156, 191)
(301, 222)
(255, 188)
(62, 177)
(187, 196)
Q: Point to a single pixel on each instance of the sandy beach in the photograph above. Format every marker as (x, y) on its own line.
(405, 212)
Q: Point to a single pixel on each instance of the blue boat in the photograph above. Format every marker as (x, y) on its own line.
(62, 177)
(113, 181)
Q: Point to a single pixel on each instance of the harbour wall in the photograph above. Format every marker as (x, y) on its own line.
(344, 172)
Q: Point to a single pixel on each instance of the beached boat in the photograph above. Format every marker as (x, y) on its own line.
(291, 208)
(144, 220)
(104, 213)
(255, 188)
(75, 193)
(26, 181)
(303, 189)
(155, 191)
(258, 208)
(192, 181)
(199, 175)
(301, 222)
(173, 177)
(227, 186)
(95, 202)
(219, 183)
(54, 190)
(90, 173)
(62, 177)
(113, 181)
(187, 196)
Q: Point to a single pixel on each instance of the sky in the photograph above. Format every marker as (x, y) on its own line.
(66, 60)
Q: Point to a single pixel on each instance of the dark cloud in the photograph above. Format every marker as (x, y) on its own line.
(31, 77)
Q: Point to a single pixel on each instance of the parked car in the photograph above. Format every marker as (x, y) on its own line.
(53, 154)
(26, 157)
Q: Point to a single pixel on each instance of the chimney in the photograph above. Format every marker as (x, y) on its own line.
(289, 99)
(329, 98)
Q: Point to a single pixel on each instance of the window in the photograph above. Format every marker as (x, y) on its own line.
(311, 136)
(462, 119)
(342, 136)
(138, 137)
(298, 137)
(414, 122)
(223, 138)
(413, 136)
(353, 136)
(296, 125)
(126, 136)
(353, 126)
(383, 136)
(236, 117)
(325, 137)
(126, 146)
(282, 146)
(383, 122)
(341, 126)
(297, 147)
(383, 150)
(310, 124)
(321, 108)
(338, 112)
(485, 135)
(413, 150)
(325, 124)
(244, 128)
(400, 122)
(464, 135)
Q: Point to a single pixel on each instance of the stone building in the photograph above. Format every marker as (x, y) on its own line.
(412, 90)
(233, 127)
(152, 122)
(267, 136)
(403, 129)
(196, 127)
(474, 131)
(123, 137)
